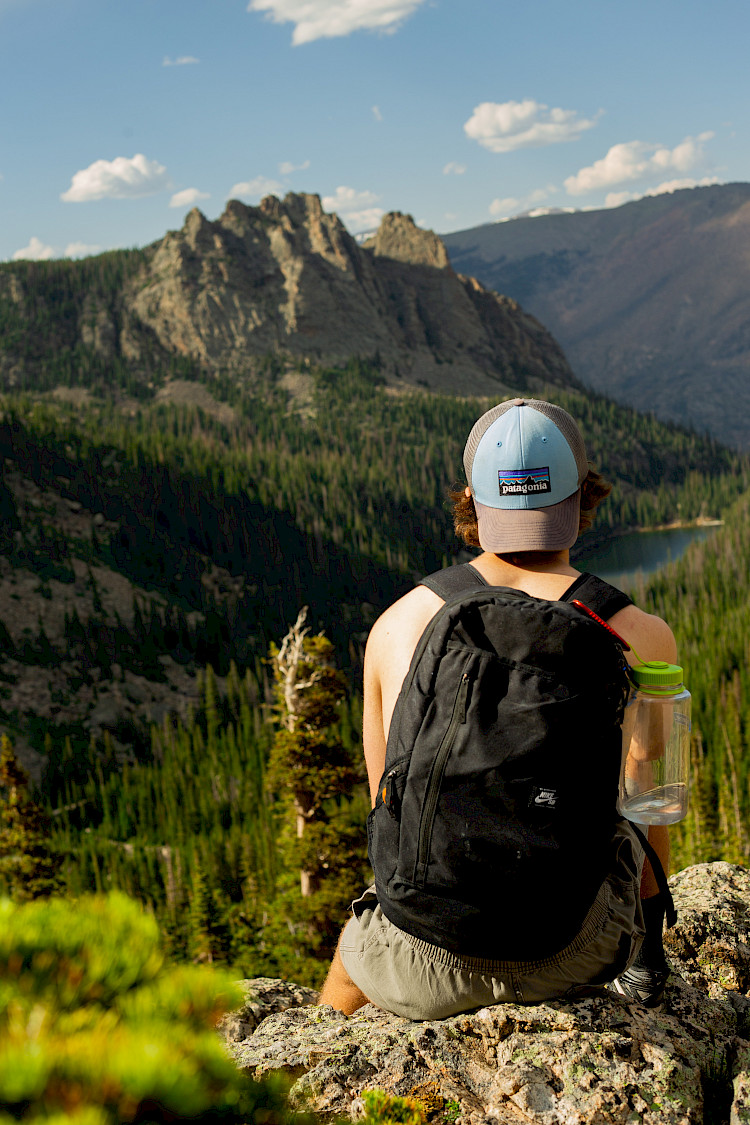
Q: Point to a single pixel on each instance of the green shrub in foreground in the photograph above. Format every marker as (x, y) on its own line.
(96, 1028)
(390, 1109)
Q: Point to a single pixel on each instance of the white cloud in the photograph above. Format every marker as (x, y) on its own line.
(637, 160)
(503, 208)
(506, 126)
(256, 189)
(376, 113)
(677, 185)
(454, 169)
(356, 209)
(183, 60)
(36, 251)
(80, 250)
(617, 198)
(187, 197)
(509, 207)
(286, 167)
(117, 179)
(327, 19)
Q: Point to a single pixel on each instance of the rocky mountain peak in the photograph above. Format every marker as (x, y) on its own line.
(399, 237)
(296, 211)
(300, 208)
(286, 279)
(293, 228)
(196, 232)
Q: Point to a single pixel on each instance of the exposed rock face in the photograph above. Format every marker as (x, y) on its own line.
(597, 1060)
(287, 278)
(264, 997)
(98, 330)
(401, 240)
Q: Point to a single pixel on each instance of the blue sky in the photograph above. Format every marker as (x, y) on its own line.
(119, 115)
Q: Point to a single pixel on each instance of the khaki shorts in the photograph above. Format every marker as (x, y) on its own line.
(410, 977)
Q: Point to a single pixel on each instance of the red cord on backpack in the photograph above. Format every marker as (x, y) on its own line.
(597, 618)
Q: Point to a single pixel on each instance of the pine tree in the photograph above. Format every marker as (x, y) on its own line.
(211, 708)
(7, 647)
(28, 866)
(96, 596)
(307, 760)
(312, 767)
(234, 690)
(207, 936)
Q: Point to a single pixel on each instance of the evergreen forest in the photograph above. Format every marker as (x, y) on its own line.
(223, 821)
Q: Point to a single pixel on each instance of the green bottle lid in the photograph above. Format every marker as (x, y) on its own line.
(657, 677)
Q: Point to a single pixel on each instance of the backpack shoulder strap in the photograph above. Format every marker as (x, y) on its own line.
(597, 595)
(594, 592)
(453, 580)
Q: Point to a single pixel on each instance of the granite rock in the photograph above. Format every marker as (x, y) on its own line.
(286, 278)
(597, 1060)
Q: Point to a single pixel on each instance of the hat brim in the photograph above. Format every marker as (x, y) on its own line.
(555, 528)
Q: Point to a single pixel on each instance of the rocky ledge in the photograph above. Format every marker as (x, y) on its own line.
(598, 1060)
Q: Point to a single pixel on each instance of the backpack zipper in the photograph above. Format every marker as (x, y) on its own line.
(424, 640)
(435, 780)
(387, 791)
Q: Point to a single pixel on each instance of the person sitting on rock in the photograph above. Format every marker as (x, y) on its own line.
(425, 941)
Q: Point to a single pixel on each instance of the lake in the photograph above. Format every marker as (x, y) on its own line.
(623, 559)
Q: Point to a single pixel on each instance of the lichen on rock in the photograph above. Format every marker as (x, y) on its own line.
(597, 1059)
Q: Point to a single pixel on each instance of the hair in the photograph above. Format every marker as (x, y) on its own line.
(594, 489)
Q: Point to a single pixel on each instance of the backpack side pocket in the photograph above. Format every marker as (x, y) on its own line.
(383, 822)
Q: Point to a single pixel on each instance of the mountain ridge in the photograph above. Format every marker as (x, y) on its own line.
(283, 280)
(648, 300)
(290, 279)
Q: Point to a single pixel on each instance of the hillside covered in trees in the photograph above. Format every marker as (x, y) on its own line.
(152, 553)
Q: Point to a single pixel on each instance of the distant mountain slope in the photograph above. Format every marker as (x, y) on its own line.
(282, 280)
(651, 301)
(142, 540)
(144, 543)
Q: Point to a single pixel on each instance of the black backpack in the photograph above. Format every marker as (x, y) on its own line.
(493, 827)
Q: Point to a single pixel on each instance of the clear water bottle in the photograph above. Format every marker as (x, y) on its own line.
(655, 770)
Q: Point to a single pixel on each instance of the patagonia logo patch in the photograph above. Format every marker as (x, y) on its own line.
(543, 798)
(524, 482)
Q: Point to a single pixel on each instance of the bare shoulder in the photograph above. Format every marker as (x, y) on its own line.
(390, 647)
(650, 635)
(403, 623)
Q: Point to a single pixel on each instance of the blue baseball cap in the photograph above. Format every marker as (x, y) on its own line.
(525, 461)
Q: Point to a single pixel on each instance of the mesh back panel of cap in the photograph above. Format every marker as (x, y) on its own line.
(565, 424)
